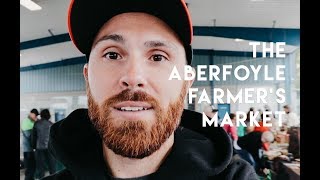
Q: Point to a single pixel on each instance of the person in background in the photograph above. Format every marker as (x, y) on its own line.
(268, 108)
(260, 114)
(249, 129)
(40, 139)
(254, 143)
(241, 129)
(261, 127)
(251, 109)
(290, 118)
(232, 130)
(211, 111)
(28, 152)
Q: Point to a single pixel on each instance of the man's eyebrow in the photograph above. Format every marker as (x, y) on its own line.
(114, 37)
(154, 44)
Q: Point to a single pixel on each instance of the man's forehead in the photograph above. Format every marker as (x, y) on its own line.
(117, 27)
(136, 15)
(137, 20)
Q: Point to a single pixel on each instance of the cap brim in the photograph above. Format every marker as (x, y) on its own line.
(85, 17)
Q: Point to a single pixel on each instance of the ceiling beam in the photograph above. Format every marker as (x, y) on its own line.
(290, 36)
(45, 41)
(65, 62)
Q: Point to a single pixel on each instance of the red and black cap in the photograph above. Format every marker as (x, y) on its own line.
(86, 17)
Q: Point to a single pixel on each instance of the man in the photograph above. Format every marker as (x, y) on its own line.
(210, 111)
(232, 131)
(254, 143)
(28, 153)
(290, 119)
(131, 128)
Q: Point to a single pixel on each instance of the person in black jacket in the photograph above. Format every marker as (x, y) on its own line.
(253, 144)
(40, 139)
(136, 126)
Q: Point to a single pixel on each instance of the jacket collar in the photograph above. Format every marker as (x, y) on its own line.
(207, 151)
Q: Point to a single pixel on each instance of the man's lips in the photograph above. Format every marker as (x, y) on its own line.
(133, 106)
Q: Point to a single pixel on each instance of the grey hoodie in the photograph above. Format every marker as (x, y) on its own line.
(40, 134)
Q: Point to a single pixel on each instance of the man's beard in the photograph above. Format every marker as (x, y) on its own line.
(134, 139)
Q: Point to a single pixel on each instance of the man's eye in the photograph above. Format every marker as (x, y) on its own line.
(112, 56)
(158, 57)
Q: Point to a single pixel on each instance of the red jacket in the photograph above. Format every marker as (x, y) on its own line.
(231, 130)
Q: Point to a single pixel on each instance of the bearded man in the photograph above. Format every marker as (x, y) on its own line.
(136, 126)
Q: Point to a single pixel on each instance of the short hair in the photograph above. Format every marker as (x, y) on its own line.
(34, 111)
(267, 136)
(232, 115)
(286, 106)
(214, 109)
(45, 114)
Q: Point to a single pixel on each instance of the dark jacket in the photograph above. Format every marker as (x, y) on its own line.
(199, 153)
(40, 134)
(252, 143)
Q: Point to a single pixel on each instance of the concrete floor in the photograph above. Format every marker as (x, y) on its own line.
(22, 174)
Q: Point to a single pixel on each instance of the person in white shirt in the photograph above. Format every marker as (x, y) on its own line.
(290, 118)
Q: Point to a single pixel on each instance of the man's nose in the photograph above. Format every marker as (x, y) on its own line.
(134, 75)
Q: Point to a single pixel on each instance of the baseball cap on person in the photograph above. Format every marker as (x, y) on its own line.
(85, 18)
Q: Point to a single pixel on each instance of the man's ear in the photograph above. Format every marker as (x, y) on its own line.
(190, 82)
(85, 72)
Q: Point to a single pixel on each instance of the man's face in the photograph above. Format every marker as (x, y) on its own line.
(33, 116)
(287, 110)
(131, 102)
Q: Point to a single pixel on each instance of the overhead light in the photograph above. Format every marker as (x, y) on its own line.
(32, 6)
(257, 0)
(20, 55)
(238, 40)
